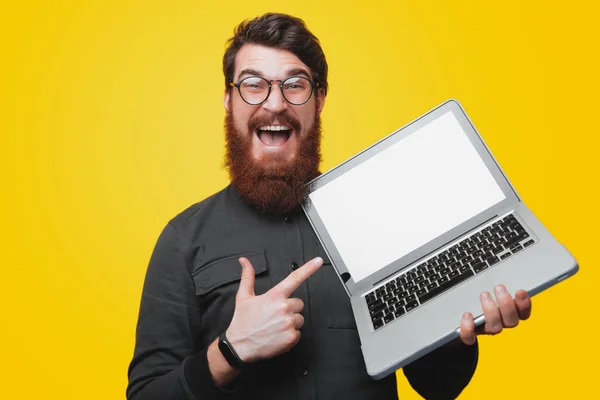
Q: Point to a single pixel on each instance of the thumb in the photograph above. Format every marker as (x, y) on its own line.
(246, 288)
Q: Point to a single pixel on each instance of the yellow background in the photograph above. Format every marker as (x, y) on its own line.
(111, 123)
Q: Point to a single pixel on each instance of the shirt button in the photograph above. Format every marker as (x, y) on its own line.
(294, 266)
(303, 372)
(287, 219)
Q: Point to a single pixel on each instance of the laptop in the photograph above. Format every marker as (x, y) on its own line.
(417, 226)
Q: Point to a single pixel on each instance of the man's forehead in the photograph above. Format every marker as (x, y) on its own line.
(271, 62)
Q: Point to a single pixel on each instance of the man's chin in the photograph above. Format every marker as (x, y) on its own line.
(274, 169)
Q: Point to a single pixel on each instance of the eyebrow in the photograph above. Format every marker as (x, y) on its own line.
(249, 71)
(292, 72)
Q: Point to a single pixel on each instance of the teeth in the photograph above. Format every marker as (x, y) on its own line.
(274, 128)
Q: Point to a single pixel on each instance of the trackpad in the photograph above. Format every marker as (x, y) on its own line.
(446, 311)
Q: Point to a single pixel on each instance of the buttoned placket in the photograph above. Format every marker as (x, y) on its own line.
(297, 257)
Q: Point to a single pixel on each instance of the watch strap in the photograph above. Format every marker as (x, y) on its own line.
(229, 352)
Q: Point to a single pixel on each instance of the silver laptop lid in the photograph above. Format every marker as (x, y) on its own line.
(406, 196)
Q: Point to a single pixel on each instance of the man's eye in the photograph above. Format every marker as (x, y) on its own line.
(294, 86)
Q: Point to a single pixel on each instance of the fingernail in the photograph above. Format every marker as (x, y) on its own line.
(522, 296)
(465, 317)
(318, 261)
(485, 296)
(500, 289)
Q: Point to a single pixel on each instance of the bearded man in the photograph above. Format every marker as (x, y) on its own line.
(272, 329)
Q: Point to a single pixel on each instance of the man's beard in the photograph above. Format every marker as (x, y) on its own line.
(273, 185)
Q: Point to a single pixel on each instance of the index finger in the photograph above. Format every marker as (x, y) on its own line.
(287, 286)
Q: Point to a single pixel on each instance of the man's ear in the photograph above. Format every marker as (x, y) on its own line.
(320, 100)
(226, 99)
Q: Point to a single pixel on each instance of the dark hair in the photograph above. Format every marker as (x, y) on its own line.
(283, 32)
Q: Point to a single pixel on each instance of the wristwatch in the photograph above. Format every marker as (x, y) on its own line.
(229, 353)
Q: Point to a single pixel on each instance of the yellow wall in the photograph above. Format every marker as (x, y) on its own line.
(111, 123)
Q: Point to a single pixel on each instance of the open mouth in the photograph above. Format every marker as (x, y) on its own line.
(274, 135)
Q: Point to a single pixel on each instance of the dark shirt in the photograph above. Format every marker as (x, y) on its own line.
(188, 300)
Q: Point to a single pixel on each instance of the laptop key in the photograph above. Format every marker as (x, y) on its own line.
(516, 248)
(411, 305)
(528, 243)
(492, 260)
(388, 318)
(377, 316)
(378, 323)
(479, 267)
(515, 239)
(505, 256)
(467, 259)
(515, 226)
(376, 308)
(464, 268)
(399, 312)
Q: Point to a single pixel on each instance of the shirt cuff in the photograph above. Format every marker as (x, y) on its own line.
(198, 380)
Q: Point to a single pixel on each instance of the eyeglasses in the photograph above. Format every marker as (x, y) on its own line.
(255, 90)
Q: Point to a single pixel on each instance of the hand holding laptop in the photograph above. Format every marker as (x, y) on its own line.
(505, 314)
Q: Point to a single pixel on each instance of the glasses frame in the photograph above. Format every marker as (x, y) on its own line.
(314, 86)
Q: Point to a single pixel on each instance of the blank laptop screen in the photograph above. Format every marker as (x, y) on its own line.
(405, 196)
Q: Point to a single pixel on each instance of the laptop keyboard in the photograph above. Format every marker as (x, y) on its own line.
(447, 269)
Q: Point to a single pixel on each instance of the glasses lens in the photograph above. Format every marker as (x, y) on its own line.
(297, 90)
(254, 90)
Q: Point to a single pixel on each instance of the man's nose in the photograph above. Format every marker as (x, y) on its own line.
(275, 103)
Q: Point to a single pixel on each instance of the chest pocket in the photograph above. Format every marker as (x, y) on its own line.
(338, 309)
(217, 284)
